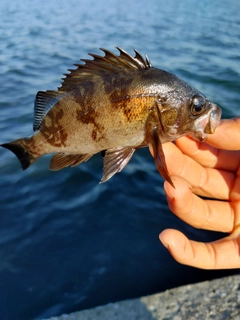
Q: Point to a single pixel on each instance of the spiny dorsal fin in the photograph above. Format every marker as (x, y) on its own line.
(44, 101)
(102, 66)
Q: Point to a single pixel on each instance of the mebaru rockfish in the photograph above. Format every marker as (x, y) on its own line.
(117, 104)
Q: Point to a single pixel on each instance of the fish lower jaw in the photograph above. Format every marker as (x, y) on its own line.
(207, 123)
(215, 117)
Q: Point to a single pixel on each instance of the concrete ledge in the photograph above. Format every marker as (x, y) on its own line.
(215, 299)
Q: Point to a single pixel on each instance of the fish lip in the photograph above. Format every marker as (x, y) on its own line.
(207, 123)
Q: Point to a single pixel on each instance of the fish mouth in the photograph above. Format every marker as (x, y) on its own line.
(207, 123)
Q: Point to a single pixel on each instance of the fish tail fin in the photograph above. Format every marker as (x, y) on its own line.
(21, 148)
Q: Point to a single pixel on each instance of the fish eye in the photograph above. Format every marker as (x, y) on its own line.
(197, 104)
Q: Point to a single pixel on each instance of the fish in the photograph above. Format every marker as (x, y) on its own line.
(114, 104)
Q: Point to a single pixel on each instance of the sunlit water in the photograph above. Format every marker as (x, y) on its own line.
(66, 242)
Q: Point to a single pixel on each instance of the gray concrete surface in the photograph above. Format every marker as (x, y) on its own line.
(216, 299)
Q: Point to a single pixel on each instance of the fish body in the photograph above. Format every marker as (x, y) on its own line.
(117, 104)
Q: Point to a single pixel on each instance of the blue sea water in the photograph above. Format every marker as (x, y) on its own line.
(67, 242)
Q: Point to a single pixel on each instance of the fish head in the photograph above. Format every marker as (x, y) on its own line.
(186, 111)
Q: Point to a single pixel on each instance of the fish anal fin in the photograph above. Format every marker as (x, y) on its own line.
(158, 154)
(63, 160)
(115, 160)
(44, 101)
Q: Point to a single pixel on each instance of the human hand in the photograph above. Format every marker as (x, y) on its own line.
(210, 169)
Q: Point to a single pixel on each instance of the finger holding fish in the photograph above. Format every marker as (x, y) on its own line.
(200, 213)
(227, 135)
(209, 156)
(205, 181)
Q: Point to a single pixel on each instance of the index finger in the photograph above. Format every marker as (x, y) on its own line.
(209, 156)
(207, 182)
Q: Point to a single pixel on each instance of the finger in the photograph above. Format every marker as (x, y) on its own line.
(199, 213)
(209, 156)
(206, 182)
(221, 254)
(227, 135)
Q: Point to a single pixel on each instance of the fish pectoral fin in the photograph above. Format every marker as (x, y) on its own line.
(62, 160)
(158, 154)
(115, 160)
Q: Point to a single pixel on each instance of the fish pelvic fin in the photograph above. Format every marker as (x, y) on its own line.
(157, 151)
(115, 160)
(22, 152)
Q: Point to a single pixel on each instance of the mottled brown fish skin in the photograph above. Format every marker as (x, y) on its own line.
(97, 129)
(117, 117)
(115, 104)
